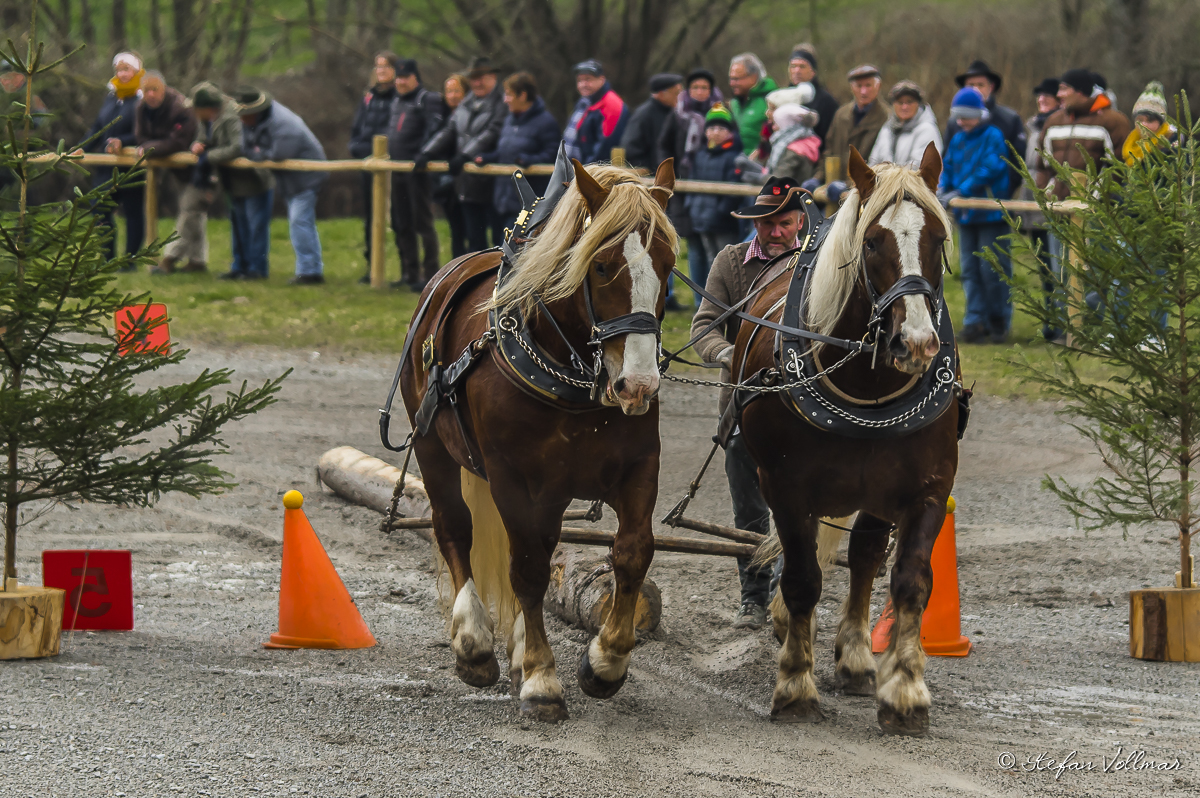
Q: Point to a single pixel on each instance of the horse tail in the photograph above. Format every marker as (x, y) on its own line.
(490, 556)
(828, 538)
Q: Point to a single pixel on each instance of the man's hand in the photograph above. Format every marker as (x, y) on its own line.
(420, 162)
(810, 185)
(726, 358)
(113, 146)
(141, 152)
(198, 148)
(457, 162)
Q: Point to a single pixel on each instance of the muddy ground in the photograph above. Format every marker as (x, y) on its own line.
(190, 703)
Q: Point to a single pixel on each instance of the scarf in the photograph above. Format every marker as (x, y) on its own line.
(129, 88)
(780, 140)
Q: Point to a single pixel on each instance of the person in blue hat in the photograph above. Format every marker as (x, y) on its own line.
(974, 166)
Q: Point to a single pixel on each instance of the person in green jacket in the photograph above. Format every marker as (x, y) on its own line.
(751, 84)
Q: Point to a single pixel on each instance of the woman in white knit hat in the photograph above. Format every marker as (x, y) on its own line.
(1151, 129)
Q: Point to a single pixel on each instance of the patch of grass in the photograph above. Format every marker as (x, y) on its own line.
(345, 316)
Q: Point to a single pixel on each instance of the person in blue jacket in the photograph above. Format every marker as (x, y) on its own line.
(717, 163)
(974, 166)
(530, 135)
(112, 130)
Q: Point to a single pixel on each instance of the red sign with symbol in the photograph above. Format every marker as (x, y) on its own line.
(99, 585)
(156, 338)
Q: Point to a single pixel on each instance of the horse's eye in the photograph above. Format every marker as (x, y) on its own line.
(601, 271)
(869, 245)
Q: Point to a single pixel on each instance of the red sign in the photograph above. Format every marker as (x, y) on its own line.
(156, 338)
(99, 585)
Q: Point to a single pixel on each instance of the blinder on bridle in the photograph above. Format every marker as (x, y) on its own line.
(637, 323)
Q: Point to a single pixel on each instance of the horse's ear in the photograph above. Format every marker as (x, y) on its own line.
(862, 175)
(593, 193)
(931, 167)
(664, 180)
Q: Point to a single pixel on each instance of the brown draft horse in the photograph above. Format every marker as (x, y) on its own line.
(890, 226)
(609, 231)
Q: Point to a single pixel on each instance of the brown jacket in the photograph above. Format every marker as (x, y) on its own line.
(1098, 127)
(843, 134)
(167, 129)
(729, 281)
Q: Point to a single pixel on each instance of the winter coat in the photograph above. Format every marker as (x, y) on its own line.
(641, 134)
(222, 140)
(1032, 220)
(844, 134)
(596, 126)
(279, 134)
(904, 143)
(413, 120)
(167, 129)
(709, 213)
(471, 130)
(974, 167)
(826, 106)
(682, 136)
(114, 121)
(799, 159)
(371, 119)
(1139, 142)
(729, 280)
(1095, 125)
(1010, 124)
(750, 113)
(527, 138)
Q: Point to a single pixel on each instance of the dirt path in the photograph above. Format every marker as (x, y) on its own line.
(191, 703)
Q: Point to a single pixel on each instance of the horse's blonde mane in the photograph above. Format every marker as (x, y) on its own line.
(839, 263)
(555, 264)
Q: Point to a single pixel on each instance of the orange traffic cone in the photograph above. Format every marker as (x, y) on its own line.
(315, 609)
(941, 625)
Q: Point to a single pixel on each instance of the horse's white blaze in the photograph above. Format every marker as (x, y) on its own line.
(471, 630)
(641, 350)
(605, 664)
(905, 220)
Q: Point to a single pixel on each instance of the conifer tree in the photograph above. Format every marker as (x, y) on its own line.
(77, 421)
(1129, 298)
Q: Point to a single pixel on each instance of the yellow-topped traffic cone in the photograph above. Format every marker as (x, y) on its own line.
(941, 625)
(315, 609)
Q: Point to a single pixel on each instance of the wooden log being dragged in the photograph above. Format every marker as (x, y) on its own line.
(581, 589)
(727, 532)
(370, 482)
(598, 537)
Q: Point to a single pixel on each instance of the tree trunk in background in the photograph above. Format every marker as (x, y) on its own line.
(64, 10)
(184, 19)
(86, 27)
(156, 34)
(117, 35)
(233, 64)
(1132, 17)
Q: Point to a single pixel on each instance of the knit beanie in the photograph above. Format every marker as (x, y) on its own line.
(968, 104)
(206, 95)
(800, 94)
(719, 116)
(1081, 80)
(805, 52)
(791, 114)
(1152, 101)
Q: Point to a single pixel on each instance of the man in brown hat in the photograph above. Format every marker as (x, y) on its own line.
(472, 130)
(856, 124)
(779, 215)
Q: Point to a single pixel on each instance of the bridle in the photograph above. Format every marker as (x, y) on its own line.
(636, 323)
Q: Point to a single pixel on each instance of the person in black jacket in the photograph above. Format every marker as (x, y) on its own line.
(530, 135)
(980, 77)
(473, 129)
(371, 120)
(802, 68)
(112, 130)
(646, 123)
(417, 114)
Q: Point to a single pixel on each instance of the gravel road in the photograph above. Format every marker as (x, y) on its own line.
(190, 703)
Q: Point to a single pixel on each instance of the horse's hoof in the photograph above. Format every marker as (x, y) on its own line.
(482, 673)
(856, 683)
(914, 723)
(545, 710)
(516, 677)
(802, 710)
(593, 685)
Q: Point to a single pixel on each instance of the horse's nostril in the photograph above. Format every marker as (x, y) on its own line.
(896, 346)
(619, 385)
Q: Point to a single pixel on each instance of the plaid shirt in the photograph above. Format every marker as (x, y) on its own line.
(756, 250)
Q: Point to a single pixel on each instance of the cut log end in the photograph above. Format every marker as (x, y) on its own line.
(30, 621)
(1164, 624)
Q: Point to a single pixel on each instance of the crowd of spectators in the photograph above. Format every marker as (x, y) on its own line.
(749, 130)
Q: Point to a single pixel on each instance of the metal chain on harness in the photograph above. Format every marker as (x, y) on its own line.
(782, 387)
(509, 325)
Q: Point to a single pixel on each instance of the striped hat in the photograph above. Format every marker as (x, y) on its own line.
(1152, 101)
(719, 116)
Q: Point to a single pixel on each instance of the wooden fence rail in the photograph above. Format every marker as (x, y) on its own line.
(381, 165)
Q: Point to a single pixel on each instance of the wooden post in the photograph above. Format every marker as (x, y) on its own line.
(151, 206)
(1076, 298)
(381, 200)
(1164, 624)
(618, 156)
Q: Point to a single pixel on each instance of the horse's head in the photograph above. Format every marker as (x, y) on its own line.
(626, 283)
(904, 239)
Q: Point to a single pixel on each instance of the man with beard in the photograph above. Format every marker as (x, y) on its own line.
(778, 215)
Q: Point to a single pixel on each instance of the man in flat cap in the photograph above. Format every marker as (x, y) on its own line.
(598, 122)
(779, 215)
(645, 124)
(856, 124)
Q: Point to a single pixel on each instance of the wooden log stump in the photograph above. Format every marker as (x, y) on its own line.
(581, 589)
(1164, 624)
(368, 481)
(30, 621)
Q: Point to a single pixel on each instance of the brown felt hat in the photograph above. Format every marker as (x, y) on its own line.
(480, 66)
(779, 194)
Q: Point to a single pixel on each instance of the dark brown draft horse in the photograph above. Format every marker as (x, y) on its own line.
(604, 254)
(890, 227)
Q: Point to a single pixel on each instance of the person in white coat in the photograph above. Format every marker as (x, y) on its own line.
(908, 131)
